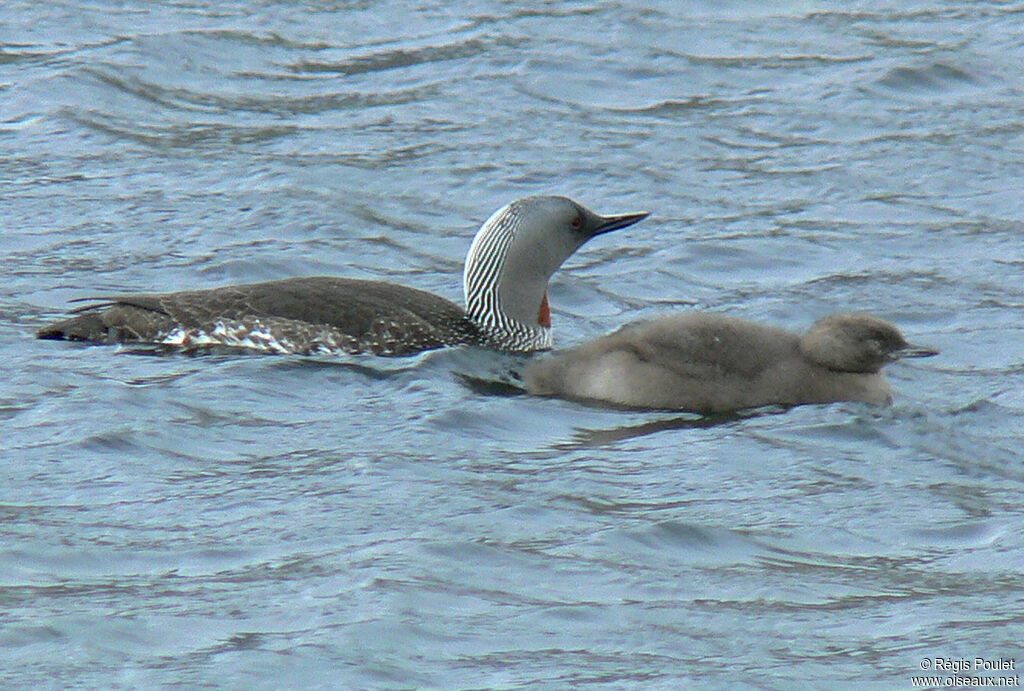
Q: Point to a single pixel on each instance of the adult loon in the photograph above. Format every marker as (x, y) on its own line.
(709, 363)
(505, 281)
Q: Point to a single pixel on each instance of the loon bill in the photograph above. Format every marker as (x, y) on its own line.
(505, 281)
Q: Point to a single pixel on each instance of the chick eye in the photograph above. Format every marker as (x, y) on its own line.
(577, 222)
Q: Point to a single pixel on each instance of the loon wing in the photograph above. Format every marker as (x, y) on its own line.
(305, 315)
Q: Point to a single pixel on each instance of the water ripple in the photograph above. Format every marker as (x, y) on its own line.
(398, 58)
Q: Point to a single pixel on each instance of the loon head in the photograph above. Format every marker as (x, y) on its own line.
(857, 343)
(512, 257)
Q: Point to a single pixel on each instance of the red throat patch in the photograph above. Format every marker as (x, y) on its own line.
(544, 313)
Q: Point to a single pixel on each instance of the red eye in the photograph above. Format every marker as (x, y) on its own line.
(577, 222)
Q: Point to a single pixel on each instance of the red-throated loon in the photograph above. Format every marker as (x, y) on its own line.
(709, 363)
(505, 280)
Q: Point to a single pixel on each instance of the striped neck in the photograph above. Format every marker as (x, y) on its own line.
(482, 283)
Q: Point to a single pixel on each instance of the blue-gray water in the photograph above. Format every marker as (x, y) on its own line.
(267, 522)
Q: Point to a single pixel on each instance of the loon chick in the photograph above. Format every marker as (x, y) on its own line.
(709, 363)
(506, 275)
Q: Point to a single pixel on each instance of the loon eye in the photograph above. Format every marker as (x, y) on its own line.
(577, 222)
